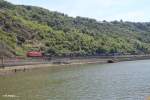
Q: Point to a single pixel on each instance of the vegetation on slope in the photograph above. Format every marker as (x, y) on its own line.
(24, 28)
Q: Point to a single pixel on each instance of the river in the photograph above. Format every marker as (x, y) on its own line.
(119, 81)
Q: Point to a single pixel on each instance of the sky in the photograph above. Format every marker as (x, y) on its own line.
(110, 10)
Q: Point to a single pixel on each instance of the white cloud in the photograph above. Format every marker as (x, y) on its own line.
(129, 16)
(131, 10)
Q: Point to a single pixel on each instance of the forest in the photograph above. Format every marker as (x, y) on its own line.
(27, 28)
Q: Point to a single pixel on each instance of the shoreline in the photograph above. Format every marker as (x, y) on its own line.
(35, 66)
(23, 68)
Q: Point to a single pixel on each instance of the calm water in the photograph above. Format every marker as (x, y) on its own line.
(119, 81)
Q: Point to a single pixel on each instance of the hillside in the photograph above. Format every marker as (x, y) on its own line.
(25, 28)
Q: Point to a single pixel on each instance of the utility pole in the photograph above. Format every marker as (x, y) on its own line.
(2, 61)
(2, 53)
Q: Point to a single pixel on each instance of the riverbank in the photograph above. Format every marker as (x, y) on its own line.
(78, 61)
(24, 68)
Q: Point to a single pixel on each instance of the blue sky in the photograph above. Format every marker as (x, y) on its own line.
(128, 10)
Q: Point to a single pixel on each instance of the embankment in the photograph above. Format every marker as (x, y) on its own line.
(18, 66)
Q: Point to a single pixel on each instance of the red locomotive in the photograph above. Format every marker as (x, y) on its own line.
(34, 54)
